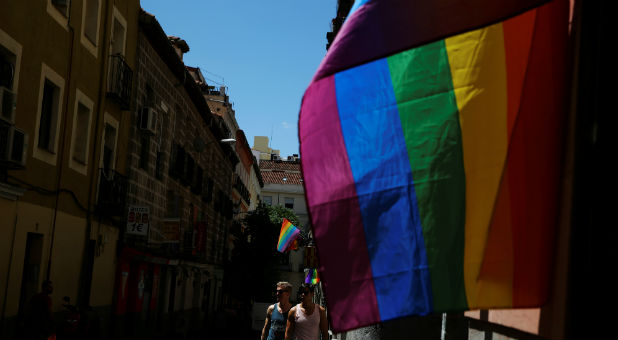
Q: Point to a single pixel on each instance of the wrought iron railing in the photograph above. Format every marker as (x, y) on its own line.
(242, 190)
(119, 81)
(111, 199)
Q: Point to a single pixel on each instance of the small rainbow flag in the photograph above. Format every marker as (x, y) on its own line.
(312, 277)
(287, 237)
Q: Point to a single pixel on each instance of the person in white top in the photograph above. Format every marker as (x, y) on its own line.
(307, 320)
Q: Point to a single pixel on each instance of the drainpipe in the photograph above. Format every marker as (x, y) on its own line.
(60, 163)
(93, 164)
(8, 271)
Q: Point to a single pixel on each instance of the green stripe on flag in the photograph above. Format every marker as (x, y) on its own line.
(430, 120)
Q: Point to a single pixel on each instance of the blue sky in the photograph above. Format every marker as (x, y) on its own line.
(264, 51)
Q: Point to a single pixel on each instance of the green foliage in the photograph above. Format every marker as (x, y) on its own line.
(251, 274)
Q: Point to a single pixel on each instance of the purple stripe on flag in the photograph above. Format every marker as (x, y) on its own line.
(380, 28)
(334, 207)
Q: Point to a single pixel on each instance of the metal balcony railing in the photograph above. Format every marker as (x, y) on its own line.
(242, 190)
(119, 81)
(111, 199)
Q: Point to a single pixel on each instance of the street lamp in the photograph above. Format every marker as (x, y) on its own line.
(199, 145)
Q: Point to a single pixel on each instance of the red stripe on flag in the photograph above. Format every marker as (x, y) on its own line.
(335, 212)
(536, 153)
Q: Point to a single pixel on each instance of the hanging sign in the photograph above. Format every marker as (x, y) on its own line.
(171, 230)
(138, 220)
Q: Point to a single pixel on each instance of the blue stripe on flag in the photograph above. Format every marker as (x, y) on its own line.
(379, 160)
(357, 5)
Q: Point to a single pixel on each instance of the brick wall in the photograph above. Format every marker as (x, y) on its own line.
(179, 123)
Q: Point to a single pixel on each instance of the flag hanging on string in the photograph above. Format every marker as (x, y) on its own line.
(288, 237)
(312, 276)
(432, 161)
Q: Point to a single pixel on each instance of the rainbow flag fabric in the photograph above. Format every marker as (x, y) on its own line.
(312, 277)
(287, 236)
(432, 172)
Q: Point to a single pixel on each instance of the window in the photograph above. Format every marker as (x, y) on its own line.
(80, 139)
(81, 129)
(119, 32)
(268, 200)
(189, 171)
(177, 162)
(198, 184)
(159, 166)
(207, 196)
(61, 5)
(90, 25)
(48, 115)
(289, 202)
(59, 11)
(174, 204)
(108, 147)
(144, 155)
(10, 57)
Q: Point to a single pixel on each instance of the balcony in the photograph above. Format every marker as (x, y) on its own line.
(119, 81)
(111, 199)
(242, 190)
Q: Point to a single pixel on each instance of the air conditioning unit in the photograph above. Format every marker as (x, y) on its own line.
(148, 120)
(13, 145)
(7, 105)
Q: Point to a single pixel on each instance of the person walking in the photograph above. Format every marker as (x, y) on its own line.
(39, 317)
(307, 320)
(276, 314)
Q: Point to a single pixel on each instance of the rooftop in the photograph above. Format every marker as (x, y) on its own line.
(280, 177)
(266, 165)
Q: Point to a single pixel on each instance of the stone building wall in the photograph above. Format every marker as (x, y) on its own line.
(178, 123)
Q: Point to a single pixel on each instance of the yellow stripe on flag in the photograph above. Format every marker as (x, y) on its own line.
(478, 71)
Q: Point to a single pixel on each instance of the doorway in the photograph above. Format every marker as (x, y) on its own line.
(32, 269)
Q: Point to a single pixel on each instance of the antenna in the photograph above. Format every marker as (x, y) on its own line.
(270, 141)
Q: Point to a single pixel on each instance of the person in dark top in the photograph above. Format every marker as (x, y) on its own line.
(39, 317)
(276, 315)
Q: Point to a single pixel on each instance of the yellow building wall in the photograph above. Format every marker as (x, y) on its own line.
(67, 257)
(7, 227)
(104, 271)
(67, 254)
(260, 143)
(30, 218)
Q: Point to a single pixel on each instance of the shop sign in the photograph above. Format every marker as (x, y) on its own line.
(171, 230)
(138, 220)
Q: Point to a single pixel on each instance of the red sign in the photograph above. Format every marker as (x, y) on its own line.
(137, 288)
(122, 287)
(200, 239)
(156, 274)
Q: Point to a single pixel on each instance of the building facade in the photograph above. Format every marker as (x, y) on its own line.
(248, 180)
(262, 150)
(283, 186)
(66, 88)
(181, 176)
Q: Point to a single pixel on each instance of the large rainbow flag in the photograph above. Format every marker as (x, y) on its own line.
(432, 168)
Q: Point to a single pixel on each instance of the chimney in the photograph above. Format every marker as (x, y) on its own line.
(180, 46)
